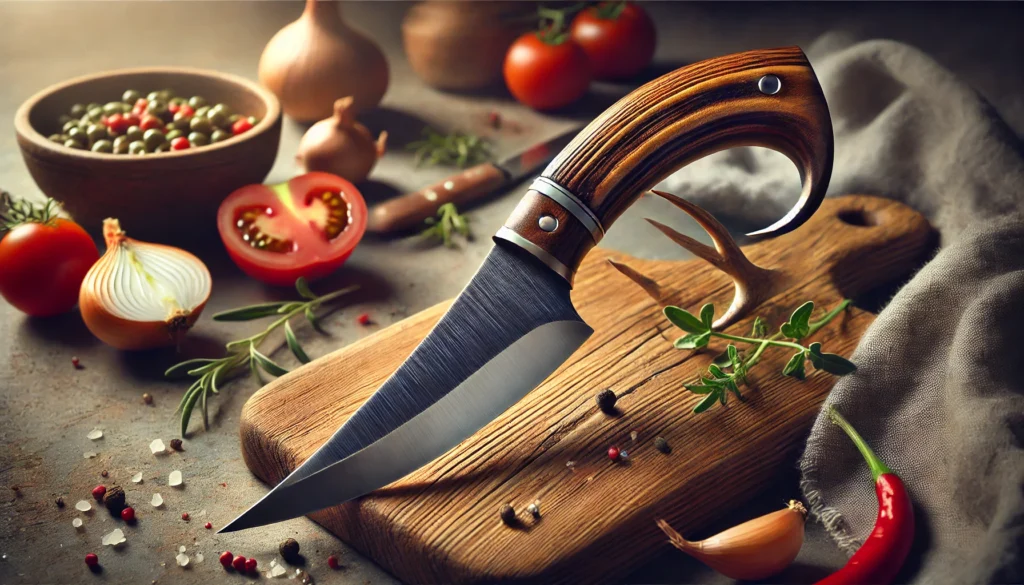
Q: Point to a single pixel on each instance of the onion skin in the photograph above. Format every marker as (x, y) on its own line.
(341, 146)
(122, 333)
(317, 59)
(757, 549)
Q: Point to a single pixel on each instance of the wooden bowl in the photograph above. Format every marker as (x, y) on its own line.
(169, 197)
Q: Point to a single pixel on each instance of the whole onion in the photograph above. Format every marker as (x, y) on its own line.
(341, 146)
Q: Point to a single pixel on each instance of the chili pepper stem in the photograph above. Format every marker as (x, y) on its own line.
(878, 467)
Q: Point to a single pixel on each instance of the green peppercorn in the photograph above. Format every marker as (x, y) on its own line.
(166, 94)
(78, 110)
(198, 139)
(137, 147)
(72, 143)
(217, 118)
(94, 114)
(176, 101)
(96, 132)
(196, 102)
(69, 125)
(121, 145)
(254, 120)
(157, 108)
(64, 119)
(153, 138)
(111, 108)
(131, 96)
(103, 146)
(606, 401)
(134, 133)
(77, 135)
(58, 138)
(91, 105)
(181, 120)
(224, 109)
(219, 136)
(165, 147)
(198, 124)
(153, 95)
(174, 134)
(234, 118)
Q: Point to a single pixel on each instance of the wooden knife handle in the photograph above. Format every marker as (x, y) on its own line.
(767, 98)
(411, 209)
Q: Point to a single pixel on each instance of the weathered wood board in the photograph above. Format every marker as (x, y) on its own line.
(440, 524)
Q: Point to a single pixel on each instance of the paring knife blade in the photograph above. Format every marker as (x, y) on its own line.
(410, 210)
(514, 323)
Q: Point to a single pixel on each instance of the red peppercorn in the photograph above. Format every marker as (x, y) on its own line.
(241, 125)
(363, 319)
(150, 123)
(613, 453)
(238, 563)
(173, 108)
(75, 362)
(186, 110)
(180, 143)
(250, 565)
(225, 558)
(92, 560)
(132, 119)
(128, 514)
(494, 118)
(141, 103)
(332, 562)
(184, 516)
(208, 526)
(118, 123)
(98, 491)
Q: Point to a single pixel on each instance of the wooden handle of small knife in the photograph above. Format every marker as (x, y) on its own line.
(411, 209)
(669, 122)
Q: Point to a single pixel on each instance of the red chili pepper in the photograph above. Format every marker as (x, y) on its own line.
(880, 557)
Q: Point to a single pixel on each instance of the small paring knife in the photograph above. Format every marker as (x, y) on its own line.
(514, 322)
(410, 210)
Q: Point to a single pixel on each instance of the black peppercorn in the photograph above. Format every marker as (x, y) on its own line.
(104, 473)
(60, 502)
(146, 398)
(508, 514)
(289, 550)
(662, 445)
(606, 401)
(113, 499)
(176, 444)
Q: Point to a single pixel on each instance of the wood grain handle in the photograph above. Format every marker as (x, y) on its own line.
(411, 209)
(767, 98)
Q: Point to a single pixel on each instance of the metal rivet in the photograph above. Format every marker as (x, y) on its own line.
(769, 84)
(448, 185)
(547, 223)
(430, 195)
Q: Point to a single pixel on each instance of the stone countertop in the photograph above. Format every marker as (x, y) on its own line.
(47, 406)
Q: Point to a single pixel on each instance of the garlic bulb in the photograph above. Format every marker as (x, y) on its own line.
(341, 146)
(756, 549)
(319, 58)
(141, 295)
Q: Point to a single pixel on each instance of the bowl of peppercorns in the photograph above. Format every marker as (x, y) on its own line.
(158, 148)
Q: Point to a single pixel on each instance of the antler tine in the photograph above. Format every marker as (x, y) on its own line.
(753, 284)
(650, 287)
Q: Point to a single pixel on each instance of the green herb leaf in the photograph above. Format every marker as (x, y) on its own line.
(249, 313)
(692, 341)
(293, 344)
(760, 328)
(268, 365)
(698, 388)
(734, 356)
(684, 320)
(289, 307)
(303, 288)
(180, 369)
(795, 366)
(707, 402)
(188, 404)
(798, 326)
(835, 364)
(707, 315)
(717, 372)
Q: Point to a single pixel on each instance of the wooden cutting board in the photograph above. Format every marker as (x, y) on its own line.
(441, 524)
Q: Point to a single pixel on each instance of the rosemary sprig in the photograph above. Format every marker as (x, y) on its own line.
(14, 212)
(718, 382)
(243, 354)
(448, 220)
(452, 149)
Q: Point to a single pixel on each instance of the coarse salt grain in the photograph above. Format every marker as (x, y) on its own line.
(182, 559)
(174, 479)
(77, 522)
(88, 455)
(157, 500)
(199, 557)
(181, 548)
(95, 434)
(633, 435)
(157, 447)
(114, 537)
(137, 478)
(278, 571)
(83, 506)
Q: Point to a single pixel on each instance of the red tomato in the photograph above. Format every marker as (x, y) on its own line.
(307, 226)
(42, 266)
(619, 45)
(545, 76)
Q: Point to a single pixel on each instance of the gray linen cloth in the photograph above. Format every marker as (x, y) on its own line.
(939, 391)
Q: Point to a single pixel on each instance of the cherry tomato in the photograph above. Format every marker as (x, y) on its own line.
(618, 37)
(151, 122)
(180, 143)
(241, 125)
(307, 226)
(42, 265)
(546, 76)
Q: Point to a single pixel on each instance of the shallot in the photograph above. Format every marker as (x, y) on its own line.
(340, 145)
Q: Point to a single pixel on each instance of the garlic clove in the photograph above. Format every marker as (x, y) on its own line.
(756, 549)
(141, 295)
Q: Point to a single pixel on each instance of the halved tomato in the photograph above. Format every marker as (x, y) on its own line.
(307, 226)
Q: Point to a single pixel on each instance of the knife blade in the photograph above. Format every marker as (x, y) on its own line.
(514, 322)
(410, 210)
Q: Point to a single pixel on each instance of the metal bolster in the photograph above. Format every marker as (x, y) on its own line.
(567, 200)
(553, 263)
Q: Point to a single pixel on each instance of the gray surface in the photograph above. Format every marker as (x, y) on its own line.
(46, 407)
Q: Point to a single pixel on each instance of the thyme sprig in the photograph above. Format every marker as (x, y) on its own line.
(718, 382)
(14, 212)
(244, 353)
(447, 222)
(453, 149)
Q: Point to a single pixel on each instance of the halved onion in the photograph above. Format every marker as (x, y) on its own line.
(141, 295)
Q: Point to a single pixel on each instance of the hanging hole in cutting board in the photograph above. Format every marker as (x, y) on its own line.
(858, 217)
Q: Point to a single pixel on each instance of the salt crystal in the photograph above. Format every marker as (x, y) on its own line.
(174, 479)
(95, 434)
(278, 571)
(273, 563)
(137, 478)
(83, 506)
(633, 435)
(77, 522)
(199, 557)
(114, 537)
(157, 447)
(157, 500)
(88, 454)
(202, 512)
(181, 548)
(182, 559)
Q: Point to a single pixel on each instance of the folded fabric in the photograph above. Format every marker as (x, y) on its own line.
(938, 392)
